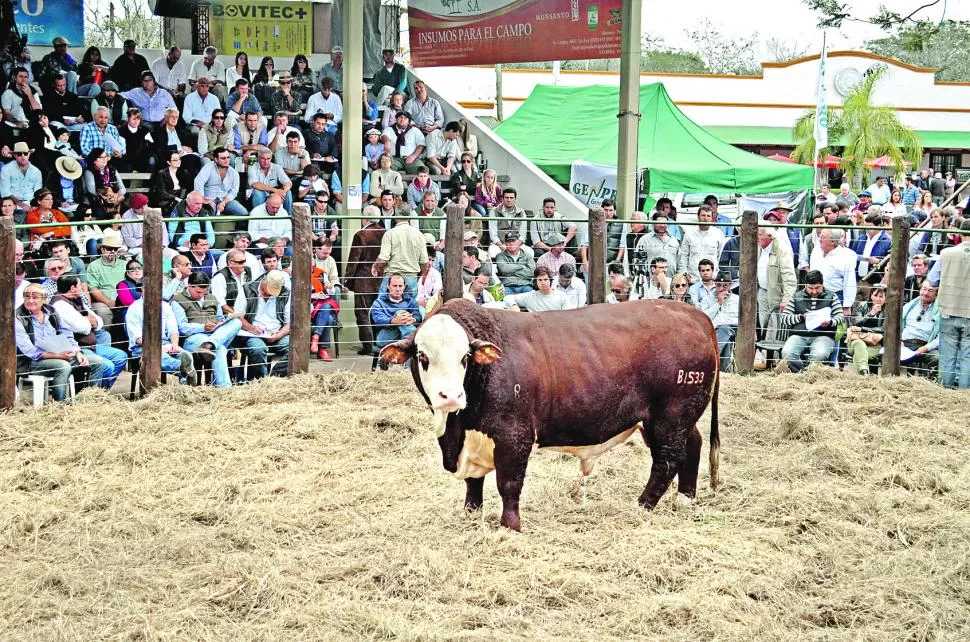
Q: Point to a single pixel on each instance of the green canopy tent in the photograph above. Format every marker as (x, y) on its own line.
(558, 125)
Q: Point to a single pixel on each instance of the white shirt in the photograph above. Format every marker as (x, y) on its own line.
(253, 263)
(216, 72)
(412, 140)
(838, 272)
(320, 105)
(134, 320)
(575, 294)
(77, 322)
(763, 267)
(280, 225)
(699, 244)
(880, 195)
(272, 133)
(437, 146)
(265, 317)
(866, 253)
(168, 78)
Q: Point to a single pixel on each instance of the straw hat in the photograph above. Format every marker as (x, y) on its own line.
(68, 168)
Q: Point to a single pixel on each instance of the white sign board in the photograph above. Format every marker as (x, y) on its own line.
(590, 183)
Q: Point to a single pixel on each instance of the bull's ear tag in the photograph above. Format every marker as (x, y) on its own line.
(485, 353)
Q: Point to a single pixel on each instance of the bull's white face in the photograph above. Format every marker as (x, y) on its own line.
(443, 351)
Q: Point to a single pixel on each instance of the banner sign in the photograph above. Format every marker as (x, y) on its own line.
(479, 32)
(590, 183)
(43, 20)
(263, 28)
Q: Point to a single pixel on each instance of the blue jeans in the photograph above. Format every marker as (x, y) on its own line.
(232, 208)
(518, 289)
(259, 197)
(819, 351)
(115, 357)
(390, 333)
(221, 337)
(322, 322)
(725, 344)
(171, 364)
(60, 371)
(410, 285)
(90, 90)
(259, 353)
(955, 352)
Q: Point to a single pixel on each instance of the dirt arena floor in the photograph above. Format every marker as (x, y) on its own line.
(317, 508)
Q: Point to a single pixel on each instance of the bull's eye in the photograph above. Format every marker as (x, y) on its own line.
(464, 360)
(423, 360)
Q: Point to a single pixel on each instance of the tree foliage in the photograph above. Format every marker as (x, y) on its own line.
(132, 19)
(942, 46)
(869, 131)
(833, 13)
(722, 53)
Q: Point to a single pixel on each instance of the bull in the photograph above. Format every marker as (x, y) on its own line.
(579, 381)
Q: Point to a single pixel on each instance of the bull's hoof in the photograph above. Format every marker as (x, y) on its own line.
(472, 507)
(683, 502)
(646, 516)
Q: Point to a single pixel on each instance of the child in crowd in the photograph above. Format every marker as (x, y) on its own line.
(373, 149)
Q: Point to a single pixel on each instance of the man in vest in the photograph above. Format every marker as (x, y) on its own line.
(513, 220)
(616, 231)
(428, 223)
(249, 135)
(208, 331)
(952, 274)
(266, 325)
(179, 232)
(227, 284)
(45, 346)
(88, 328)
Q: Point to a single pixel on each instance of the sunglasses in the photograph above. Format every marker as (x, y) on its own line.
(243, 262)
(21, 153)
(680, 285)
(35, 297)
(618, 291)
(218, 118)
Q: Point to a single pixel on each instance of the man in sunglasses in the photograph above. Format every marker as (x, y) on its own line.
(20, 179)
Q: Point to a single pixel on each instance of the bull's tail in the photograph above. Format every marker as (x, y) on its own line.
(715, 437)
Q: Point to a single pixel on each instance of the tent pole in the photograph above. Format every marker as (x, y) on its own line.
(629, 116)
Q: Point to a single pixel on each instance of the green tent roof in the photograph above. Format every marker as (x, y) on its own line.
(558, 125)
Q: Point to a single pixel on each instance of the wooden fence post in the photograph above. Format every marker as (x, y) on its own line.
(454, 238)
(892, 332)
(8, 348)
(150, 369)
(596, 292)
(744, 344)
(299, 355)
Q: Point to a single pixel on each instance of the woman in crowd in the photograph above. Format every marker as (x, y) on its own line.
(240, 69)
(215, 134)
(43, 212)
(429, 284)
(87, 236)
(44, 140)
(395, 105)
(266, 71)
(170, 184)
(302, 82)
(103, 188)
(678, 289)
(466, 179)
(935, 239)
(924, 205)
(325, 283)
(385, 178)
(8, 209)
(864, 336)
(488, 193)
(93, 70)
(469, 141)
(65, 183)
(130, 287)
(895, 205)
(138, 140)
(950, 185)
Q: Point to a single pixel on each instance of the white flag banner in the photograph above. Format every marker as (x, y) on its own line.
(590, 183)
(821, 110)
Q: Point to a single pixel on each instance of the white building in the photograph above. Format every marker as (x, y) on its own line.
(757, 112)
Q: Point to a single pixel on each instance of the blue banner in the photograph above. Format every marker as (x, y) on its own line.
(44, 20)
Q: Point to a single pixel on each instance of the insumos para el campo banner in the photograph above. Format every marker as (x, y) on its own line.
(263, 28)
(480, 32)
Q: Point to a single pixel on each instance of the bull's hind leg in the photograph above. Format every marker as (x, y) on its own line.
(510, 465)
(473, 493)
(687, 474)
(668, 449)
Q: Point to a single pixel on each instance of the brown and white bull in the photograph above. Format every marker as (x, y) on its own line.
(579, 381)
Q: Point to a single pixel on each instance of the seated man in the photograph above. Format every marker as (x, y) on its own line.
(913, 285)
(515, 268)
(175, 360)
(619, 289)
(75, 313)
(266, 325)
(658, 285)
(477, 289)
(266, 178)
(813, 318)
(219, 185)
(722, 308)
(242, 241)
(571, 286)
(46, 346)
(513, 219)
(555, 254)
(921, 331)
(405, 144)
(208, 331)
(395, 313)
(705, 287)
(545, 229)
(542, 299)
(279, 226)
(442, 149)
(180, 232)
(240, 104)
(202, 259)
(104, 275)
(228, 283)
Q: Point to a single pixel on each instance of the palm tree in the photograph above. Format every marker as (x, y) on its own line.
(869, 131)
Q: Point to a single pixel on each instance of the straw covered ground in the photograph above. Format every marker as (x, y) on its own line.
(317, 508)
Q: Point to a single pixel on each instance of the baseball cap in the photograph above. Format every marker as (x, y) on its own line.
(275, 280)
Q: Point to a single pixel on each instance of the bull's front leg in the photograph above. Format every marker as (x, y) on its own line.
(510, 465)
(473, 493)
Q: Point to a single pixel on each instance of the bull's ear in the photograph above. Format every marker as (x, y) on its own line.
(399, 351)
(484, 353)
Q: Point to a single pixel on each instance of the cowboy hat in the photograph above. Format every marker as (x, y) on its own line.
(22, 148)
(112, 238)
(68, 168)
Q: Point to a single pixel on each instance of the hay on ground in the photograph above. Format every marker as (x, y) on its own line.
(317, 508)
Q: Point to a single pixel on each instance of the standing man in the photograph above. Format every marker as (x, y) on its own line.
(403, 252)
(909, 194)
(658, 243)
(616, 231)
(212, 68)
(776, 280)
(170, 72)
(952, 273)
(60, 62)
(837, 265)
(700, 242)
(364, 249)
(879, 191)
(127, 69)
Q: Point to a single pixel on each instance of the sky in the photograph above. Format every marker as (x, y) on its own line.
(780, 19)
